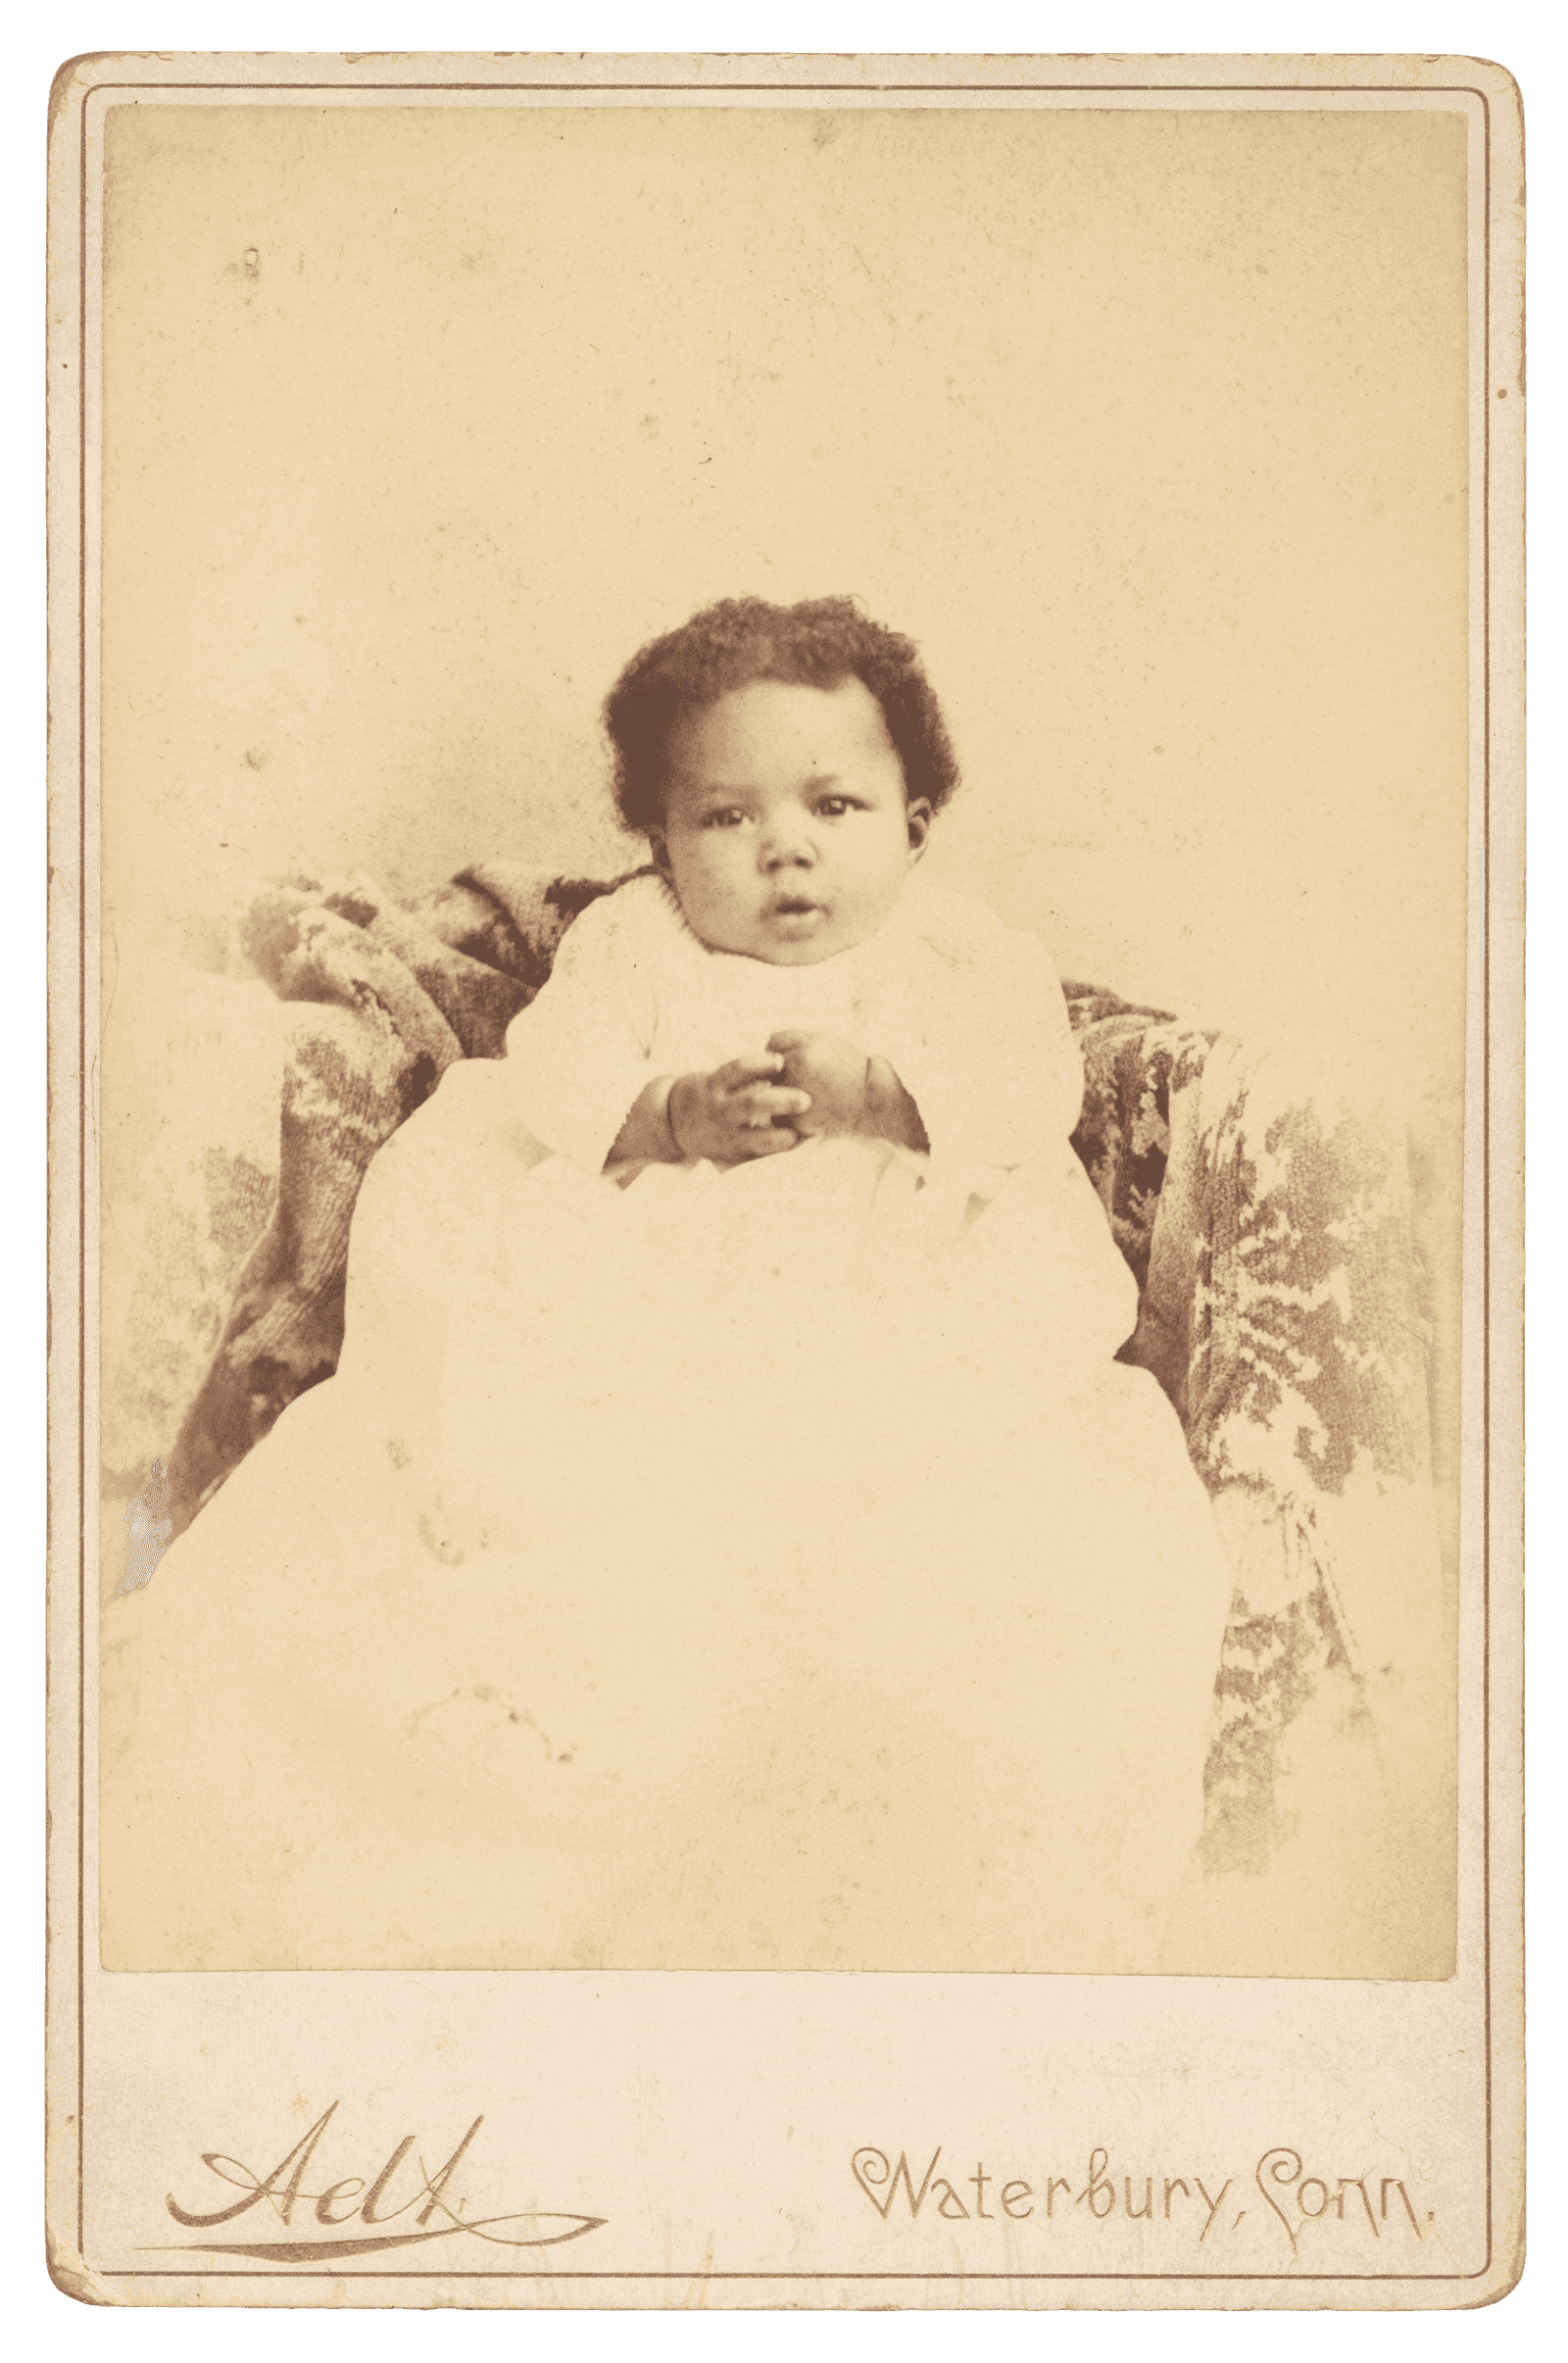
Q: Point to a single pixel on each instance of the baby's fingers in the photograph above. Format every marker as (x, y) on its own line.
(760, 1103)
(769, 1140)
(747, 1069)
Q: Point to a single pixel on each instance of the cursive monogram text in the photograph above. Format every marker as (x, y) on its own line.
(354, 2201)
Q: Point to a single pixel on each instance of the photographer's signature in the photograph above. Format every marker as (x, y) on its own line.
(352, 2211)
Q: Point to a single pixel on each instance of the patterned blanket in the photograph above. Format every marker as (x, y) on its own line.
(1268, 1225)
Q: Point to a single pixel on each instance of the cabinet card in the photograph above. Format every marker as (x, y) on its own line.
(786, 1449)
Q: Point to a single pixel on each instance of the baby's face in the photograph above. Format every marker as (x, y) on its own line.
(787, 835)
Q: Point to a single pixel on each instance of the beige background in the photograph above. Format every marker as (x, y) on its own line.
(1149, 426)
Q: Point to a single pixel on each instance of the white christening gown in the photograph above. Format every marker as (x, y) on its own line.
(760, 1568)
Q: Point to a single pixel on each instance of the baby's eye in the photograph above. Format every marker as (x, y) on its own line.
(725, 817)
(833, 808)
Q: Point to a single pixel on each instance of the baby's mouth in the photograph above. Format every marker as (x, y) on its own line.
(793, 906)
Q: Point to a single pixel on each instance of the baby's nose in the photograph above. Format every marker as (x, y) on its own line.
(785, 843)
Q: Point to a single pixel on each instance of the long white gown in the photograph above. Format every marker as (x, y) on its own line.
(767, 1568)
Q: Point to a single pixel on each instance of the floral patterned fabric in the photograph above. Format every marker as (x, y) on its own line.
(1268, 1224)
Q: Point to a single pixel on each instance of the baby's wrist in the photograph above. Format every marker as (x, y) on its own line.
(891, 1114)
(879, 1090)
(668, 1110)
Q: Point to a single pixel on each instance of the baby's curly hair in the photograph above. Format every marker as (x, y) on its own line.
(815, 645)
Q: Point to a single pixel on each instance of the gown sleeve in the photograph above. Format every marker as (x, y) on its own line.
(999, 1080)
(583, 1051)
(993, 1068)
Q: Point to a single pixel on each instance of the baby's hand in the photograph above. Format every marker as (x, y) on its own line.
(848, 1092)
(835, 1075)
(738, 1111)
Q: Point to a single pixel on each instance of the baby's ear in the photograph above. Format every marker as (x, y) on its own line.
(918, 819)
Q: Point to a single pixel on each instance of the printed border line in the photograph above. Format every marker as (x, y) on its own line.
(880, 90)
(1486, 1142)
(697, 2273)
(1306, 90)
(82, 1213)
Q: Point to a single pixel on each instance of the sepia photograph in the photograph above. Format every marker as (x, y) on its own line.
(783, 948)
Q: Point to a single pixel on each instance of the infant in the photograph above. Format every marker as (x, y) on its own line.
(729, 1539)
(781, 818)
